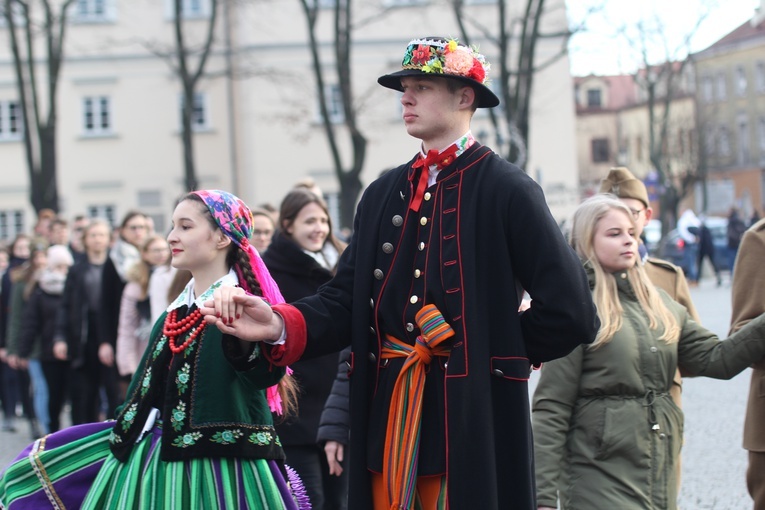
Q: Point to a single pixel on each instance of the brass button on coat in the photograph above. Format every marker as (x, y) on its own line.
(417, 273)
(413, 299)
(397, 220)
(498, 372)
(372, 357)
(423, 221)
(427, 196)
(409, 327)
(371, 303)
(372, 330)
(387, 248)
(378, 274)
(421, 246)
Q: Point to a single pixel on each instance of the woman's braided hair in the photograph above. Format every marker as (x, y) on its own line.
(239, 260)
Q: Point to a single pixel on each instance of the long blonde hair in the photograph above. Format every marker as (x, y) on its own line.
(605, 294)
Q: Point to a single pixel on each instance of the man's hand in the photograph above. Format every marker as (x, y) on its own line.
(106, 354)
(243, 316)
(60, 350)
(334, 452)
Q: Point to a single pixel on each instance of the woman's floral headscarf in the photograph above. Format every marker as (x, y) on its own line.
(235, 220)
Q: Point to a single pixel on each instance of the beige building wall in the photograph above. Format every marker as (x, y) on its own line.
(261, 131)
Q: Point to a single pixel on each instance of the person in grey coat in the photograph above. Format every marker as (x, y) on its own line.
(606, 432)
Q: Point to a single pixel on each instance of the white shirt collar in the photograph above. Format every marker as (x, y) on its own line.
(187, 296)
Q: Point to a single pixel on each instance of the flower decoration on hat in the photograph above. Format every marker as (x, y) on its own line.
(446, 57)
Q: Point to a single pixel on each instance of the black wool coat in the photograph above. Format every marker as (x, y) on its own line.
(492, 235)
(299, 275)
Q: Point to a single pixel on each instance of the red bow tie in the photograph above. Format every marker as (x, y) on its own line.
(434, 157)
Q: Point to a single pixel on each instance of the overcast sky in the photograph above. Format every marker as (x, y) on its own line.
(604, 47)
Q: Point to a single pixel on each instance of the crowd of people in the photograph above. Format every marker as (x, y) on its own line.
(252, 360)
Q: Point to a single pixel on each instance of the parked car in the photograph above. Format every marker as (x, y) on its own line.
(652, 235)
(672, 246)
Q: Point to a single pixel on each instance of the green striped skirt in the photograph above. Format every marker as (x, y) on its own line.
(74, 468)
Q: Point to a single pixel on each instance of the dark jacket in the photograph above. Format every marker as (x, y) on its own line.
(38, 325)
(72, 318)
(112, 286)
(6, 286)
(488, 235)
(299, 275)
(335, 422)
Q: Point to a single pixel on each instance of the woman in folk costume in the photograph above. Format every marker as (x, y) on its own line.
(607, 433)
(196, 430)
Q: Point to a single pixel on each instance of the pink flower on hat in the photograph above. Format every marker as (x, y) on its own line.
(459, 61)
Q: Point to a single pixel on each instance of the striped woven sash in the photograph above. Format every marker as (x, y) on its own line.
(402, 437)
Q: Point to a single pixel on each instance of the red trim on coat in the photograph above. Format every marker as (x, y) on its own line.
(297, 334)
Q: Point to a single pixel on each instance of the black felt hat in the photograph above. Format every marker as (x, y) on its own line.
(445, 58)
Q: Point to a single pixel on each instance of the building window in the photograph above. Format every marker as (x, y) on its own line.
(11, 127)
(190, 9)
(707, 89)
(740, 81)
(334, 98)
(722, 87)
(760, 76)
(103, 211)
(709, 140)
(11, 224)
(149, 198)
(93, 11)
(594, 99)
(199, 112)
(600, 152)
(402, 3)
(723, 141)
(743, 140)
(97, 115)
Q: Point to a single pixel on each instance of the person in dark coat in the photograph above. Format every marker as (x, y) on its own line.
(19, 251)
(302, 256)
(335, 422)
(707, 250)
(77, 338)
(429, 289)
(50, 376)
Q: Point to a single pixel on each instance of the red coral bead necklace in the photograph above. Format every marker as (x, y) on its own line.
(174, 329)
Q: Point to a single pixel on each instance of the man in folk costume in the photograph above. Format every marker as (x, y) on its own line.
(428, 292)
(748, 301)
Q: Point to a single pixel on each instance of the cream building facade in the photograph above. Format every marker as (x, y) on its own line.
(257, 128)
(731, 102)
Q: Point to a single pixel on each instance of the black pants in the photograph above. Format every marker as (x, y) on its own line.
(327, 492)
(16, 387)
(87, 382)
(57, 376)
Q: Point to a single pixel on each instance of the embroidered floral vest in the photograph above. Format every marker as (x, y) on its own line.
(211, 396)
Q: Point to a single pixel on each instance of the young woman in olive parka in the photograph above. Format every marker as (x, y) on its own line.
(606, 432)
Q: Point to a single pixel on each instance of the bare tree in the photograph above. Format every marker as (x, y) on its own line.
(661, 85)
(348, 173)
(182, 66)
(516, 78)
(25, 27)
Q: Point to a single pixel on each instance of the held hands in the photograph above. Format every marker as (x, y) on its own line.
(106, 354)
(334, 452)
(246, 317)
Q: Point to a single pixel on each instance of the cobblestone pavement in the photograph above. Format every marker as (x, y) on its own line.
(714, 464)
